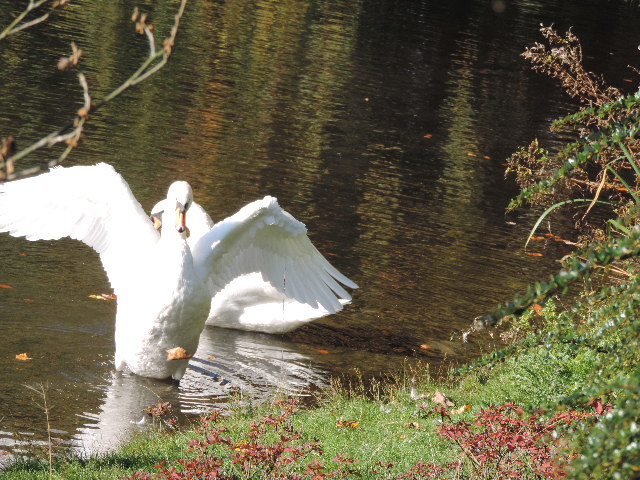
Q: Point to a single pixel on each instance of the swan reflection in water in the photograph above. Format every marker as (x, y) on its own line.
(228, 362)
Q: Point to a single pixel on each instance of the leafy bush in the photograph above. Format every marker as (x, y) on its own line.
(600, 168)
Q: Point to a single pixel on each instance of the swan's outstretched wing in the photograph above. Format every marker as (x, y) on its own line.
(93, 204)
(263, 238)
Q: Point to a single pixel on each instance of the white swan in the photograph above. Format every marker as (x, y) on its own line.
(163, 284)
(248, 302)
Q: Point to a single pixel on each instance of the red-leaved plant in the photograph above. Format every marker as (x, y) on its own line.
(503, 442)
(500, 443)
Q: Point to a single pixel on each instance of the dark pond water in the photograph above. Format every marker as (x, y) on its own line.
(382, 125)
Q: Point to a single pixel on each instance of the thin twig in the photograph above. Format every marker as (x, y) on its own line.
(16, 26)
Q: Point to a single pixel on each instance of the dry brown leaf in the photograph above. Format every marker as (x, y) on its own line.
(178, 353)
(347, 423)
(104, 296)
(441, 399)
(464, 408)
(23, 357)
(415, 425)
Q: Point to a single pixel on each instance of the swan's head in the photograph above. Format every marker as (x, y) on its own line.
(179, 199)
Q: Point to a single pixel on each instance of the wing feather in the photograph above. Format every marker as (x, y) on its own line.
(93, 204)
(263, 238)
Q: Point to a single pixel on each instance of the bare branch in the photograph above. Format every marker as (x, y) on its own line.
(19, 23)
(71, 133)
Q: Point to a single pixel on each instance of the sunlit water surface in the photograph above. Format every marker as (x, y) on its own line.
(384, 126)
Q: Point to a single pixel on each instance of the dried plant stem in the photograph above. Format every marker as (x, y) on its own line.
(45, 407)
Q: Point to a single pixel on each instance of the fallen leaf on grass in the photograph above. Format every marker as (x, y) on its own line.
(347, 423)
(23, 357)
(178, 353)
(415, 425)
(464, 408)
(441, 399)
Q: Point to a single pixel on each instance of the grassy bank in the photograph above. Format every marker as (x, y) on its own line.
(560, 393)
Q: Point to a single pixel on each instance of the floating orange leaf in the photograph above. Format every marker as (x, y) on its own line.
(23, 357)
(6, 286)
(104, 296)
(534, 254)
(347, 423)
(178, 353)
(323, 352)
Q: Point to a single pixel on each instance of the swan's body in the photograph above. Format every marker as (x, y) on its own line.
(164, 284)
(248, 302)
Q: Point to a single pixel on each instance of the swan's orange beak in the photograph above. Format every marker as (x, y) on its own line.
(181, 220)
(157, 221)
